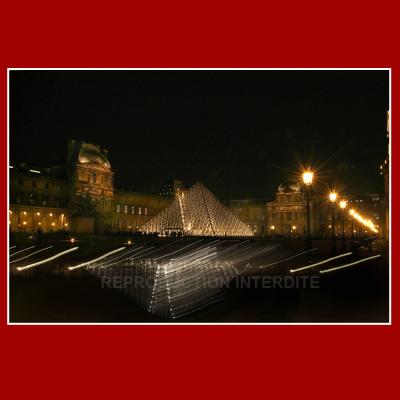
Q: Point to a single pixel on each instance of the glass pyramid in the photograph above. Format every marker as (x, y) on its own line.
(197, 212)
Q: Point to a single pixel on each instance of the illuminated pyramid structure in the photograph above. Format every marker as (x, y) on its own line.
(197, 212)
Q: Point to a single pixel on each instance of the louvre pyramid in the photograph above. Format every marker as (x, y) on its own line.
(197, 212)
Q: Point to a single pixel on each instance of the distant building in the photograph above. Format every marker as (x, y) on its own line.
(131, 210)
(38, 199)
(170, 189)
(252, 212)
(79, 196)
(373, 206)
(287, 214)
(90, 174)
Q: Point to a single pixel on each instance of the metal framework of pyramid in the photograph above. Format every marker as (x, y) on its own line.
(197, 212)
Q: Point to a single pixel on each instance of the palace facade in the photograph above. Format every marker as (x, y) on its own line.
(252, 212)
(287, 214)
(78, 196)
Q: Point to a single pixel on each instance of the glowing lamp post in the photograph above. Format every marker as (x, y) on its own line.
(307, 179)
(272, 230)
(332, 199)
(352, 212)
(343, 205)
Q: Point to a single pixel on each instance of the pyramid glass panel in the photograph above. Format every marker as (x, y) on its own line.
(197, 212)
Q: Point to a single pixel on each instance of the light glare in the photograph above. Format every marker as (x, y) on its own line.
(308, 177)
(332, 196)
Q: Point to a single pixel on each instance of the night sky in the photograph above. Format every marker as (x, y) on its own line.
(239, 132)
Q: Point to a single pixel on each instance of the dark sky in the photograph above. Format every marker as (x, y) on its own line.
(239, 132)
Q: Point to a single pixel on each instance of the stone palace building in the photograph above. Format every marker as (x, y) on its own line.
(78, 196)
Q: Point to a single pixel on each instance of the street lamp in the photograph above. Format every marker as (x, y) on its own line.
(343, 205)
(272, 230)
(352, 212)
(307, 179)
(332, 198)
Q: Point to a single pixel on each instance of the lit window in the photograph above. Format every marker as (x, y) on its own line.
(118, 208)
(125, 209)
(145, 211)
(140, 210)
(133, 210)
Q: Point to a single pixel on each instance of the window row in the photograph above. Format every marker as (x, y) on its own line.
(290, 216)
(34, 184)
(38, 199)
(131, 209)
(292, 208)
(95, 178)
(297, 198)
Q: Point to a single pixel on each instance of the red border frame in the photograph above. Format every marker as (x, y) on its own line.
(322, 361)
